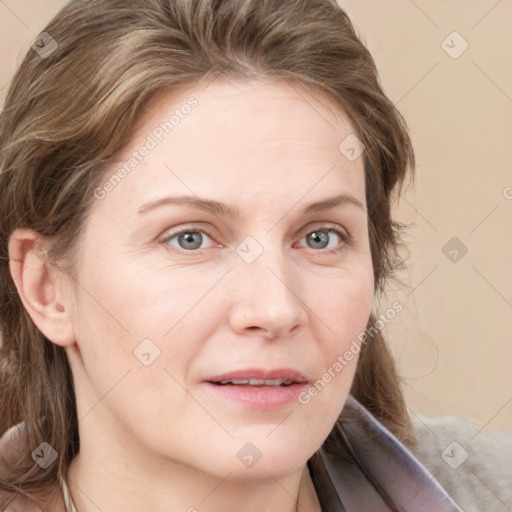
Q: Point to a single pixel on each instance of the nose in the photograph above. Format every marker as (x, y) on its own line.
(267, 298)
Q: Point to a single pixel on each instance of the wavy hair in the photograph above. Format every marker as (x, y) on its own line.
(67, 115)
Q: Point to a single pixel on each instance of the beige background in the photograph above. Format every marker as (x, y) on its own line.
(453, 340)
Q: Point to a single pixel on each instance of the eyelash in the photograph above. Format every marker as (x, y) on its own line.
(345, 237)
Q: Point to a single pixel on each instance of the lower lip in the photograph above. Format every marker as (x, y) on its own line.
(264, 397)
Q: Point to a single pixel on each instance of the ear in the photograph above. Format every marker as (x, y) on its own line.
(38, 288)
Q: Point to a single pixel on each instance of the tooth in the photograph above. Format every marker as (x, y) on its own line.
(276, 382)
(257, 382)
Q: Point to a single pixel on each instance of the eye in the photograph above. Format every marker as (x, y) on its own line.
(188, 239)
(192, 239)
(322, 236)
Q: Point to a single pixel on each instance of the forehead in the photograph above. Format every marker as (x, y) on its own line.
(255, 138)
(247, 112)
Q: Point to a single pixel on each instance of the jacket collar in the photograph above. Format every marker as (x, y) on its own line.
(346, 489)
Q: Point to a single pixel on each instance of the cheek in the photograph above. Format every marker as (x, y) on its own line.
(148, 321)
(135, 347)
(346, 301)
(344, 306)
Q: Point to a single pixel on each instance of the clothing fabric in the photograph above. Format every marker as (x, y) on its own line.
(342, 487)
(70, 506)
(406, 481)
(472, 462)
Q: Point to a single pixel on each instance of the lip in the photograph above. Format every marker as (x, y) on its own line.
(258, 397)
(261, 373)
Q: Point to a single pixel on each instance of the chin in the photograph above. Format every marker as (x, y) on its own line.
(258, 454)
(276, 466)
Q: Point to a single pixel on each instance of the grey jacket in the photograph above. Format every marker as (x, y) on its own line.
(407, 482)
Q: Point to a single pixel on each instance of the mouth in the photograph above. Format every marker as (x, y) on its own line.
(259, 377)
(258, 388)
(255, 382)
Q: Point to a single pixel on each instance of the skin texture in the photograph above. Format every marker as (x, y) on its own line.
(153, 437)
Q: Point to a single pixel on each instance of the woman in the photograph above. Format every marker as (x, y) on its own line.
(196, 226)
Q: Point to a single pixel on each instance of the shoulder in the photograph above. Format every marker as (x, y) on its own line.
(379, 457)
(472, 465)
(13, 446)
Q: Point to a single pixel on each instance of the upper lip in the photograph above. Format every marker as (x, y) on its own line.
(260, 373)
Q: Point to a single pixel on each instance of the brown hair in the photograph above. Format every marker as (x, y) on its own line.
(67, 115)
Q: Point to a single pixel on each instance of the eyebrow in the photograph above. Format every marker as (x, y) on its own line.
(228, 210)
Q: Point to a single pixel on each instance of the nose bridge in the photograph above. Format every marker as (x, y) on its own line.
(265, 261)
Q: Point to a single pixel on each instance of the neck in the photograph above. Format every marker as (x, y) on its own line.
(107, 476)
(191, 492)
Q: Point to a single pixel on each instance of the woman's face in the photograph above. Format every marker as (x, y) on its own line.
(263, 278)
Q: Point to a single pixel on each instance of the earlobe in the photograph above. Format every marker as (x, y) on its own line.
(37, 287)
